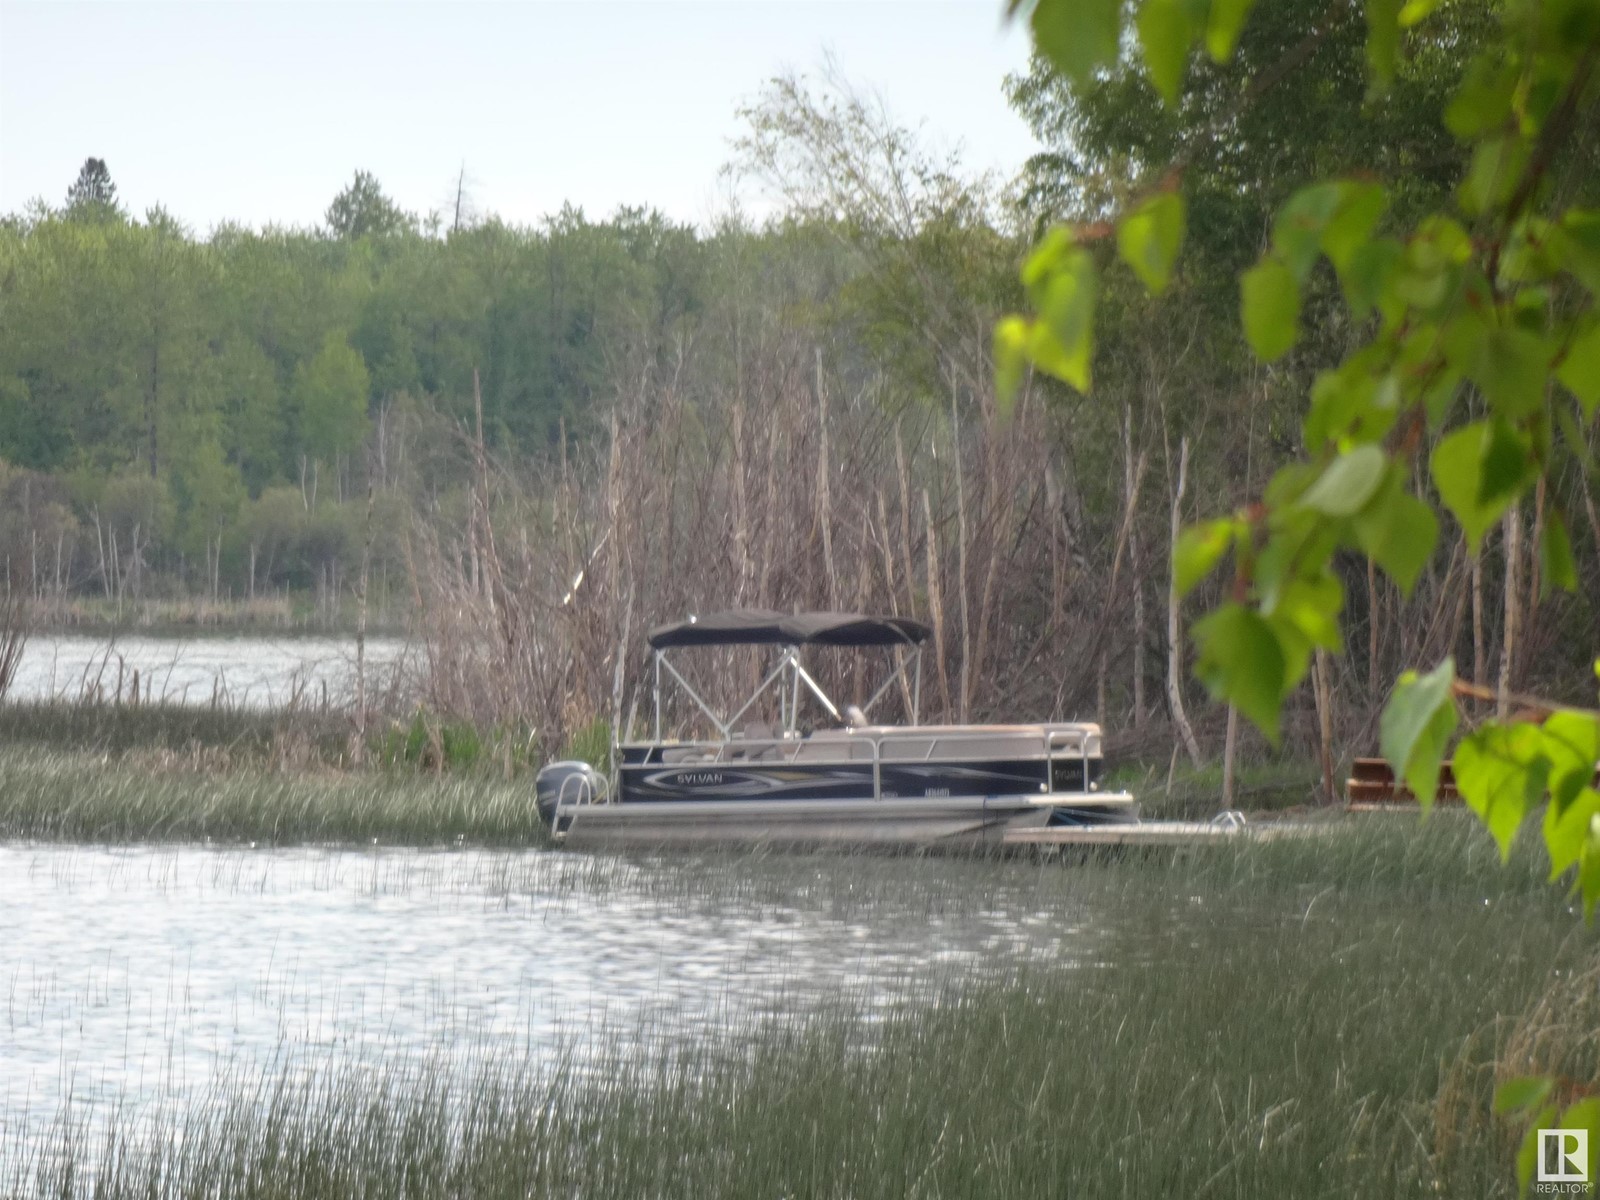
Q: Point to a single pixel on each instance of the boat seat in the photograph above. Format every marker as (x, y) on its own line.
(688, 754)
(832, 745)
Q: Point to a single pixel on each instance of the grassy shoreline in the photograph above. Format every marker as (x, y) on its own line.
(50, 795)
(1279, 1020)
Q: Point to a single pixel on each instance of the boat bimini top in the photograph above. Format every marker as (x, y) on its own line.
(790, 632)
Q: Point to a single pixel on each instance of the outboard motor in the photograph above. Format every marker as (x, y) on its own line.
(568, 782)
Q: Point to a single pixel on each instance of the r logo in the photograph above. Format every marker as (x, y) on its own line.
(1563, 1156)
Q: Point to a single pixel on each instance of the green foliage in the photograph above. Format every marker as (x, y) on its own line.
(362, 210)
(1465, 317)
(1270, 309)
(1450, 309)
(331, 399)
(1416, 728)
(1149, 239)
(93, 196)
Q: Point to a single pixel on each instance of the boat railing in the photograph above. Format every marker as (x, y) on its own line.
(1049, 743)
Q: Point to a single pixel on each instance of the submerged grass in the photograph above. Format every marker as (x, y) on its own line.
(1305, 1018)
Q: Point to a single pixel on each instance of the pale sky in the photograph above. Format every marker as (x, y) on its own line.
(261, 111)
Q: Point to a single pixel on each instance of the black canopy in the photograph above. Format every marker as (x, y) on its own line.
(757, 627)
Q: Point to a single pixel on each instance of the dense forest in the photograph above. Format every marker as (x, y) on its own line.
(559, 434)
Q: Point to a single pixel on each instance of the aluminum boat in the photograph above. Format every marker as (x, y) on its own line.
(848, 781)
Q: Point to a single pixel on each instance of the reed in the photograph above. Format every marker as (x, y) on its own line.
(1268, 1023)
(55, 796)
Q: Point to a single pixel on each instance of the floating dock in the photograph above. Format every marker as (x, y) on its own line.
(1160, 833)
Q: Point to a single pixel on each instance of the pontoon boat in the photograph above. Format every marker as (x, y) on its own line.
(850, 781)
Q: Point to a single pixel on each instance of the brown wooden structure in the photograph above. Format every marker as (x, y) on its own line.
(1372, 785)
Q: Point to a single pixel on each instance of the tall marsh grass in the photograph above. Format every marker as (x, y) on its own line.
(1305, 1018)
(53, 796)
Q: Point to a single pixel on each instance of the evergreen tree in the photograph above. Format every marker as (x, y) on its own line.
(93, 196)
(362, 210)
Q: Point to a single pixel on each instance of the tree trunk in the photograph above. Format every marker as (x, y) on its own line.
(1228, 746)
(1372, 630)
(1322, 693)
(1131, 499)
(1480, 652)
(1508, 647)
(1174, 625)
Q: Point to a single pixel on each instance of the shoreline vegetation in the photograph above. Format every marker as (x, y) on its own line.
(1273, 1020)
(286, 614)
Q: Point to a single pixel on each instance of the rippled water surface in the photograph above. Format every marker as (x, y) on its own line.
(138, 974)
(250, 672)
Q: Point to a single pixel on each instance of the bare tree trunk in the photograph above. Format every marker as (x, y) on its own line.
(360, 747)
(1508, 648)
(1130, 498)
(824, 498)
(961, 561)
(1480, 652)
(1228, 745)
(1174, 624)
(1322, 692)
(935, 605)
(1530, 609)
(1372, 630)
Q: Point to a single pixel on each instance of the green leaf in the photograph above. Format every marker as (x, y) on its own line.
(1579, 373)
(1199, 549)
(1511, 367)
(1579, 246)
(1589, 870)
(1350, 228)
(1497, 165)
(1528, 1150)
(1566, 830)
(1348, 483)
(1166, 30)
(1241, 663)
(1416, 11)
(1457, 468)
(1010, 359)
(1149, 237)
(1311, 607)
(1483, 101)
(1050, 356)
(1224, 25)
(1572, 744)
(1500, 772)
(1398, 532)
(1061, 281)
(1077, 35)
(1584, 1114)
(1271, 309)
(1383, 39)
(1372, 268)
(1350, 403)
(1556, 566)
(1507, 465)
(1527, 1091)
(1297, 232)
(1416, 726)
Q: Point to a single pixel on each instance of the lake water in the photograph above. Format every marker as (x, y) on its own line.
(140, 976)
(248, 672)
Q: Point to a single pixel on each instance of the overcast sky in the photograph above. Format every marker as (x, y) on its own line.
(260, 112)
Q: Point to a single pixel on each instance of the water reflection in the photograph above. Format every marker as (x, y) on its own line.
(246, 672)
(130, 975)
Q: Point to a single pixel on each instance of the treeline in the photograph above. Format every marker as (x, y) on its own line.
(184, 412)
(572, 431)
